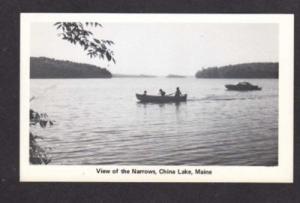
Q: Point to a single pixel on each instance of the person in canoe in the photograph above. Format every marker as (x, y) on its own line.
(162, 93)
(145, 93)
(178, 92)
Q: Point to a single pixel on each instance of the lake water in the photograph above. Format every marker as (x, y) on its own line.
(99, 121)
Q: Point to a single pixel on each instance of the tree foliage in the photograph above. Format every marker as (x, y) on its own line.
(77, 33)
(246, 70)
(38, 154)
(42, 67)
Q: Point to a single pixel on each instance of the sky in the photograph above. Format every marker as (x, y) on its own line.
(166, 48)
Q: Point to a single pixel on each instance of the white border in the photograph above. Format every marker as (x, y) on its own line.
(283, 173)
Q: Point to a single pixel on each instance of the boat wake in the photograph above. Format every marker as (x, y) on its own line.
(216, 99)
(223, 98)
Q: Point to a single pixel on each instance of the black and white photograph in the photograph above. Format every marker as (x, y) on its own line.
(159, 98)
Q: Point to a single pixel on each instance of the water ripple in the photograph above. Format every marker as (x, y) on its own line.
(214, 127)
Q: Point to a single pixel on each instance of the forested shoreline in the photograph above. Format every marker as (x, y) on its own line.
(42, 67)
(245, 70)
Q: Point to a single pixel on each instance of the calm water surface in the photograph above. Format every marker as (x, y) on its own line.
(99, 121)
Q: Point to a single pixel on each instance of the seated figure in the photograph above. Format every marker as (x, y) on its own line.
(162, 93)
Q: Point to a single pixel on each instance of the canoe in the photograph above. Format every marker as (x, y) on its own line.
(243, 86)
(160, 99)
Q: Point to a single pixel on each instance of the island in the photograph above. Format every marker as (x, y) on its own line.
(43, 67)
(116, 75)
(175, 76)
(244, 70)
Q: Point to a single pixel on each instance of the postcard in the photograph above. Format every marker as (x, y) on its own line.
(156, 97)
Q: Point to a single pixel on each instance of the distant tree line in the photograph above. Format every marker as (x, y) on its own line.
(42, 67)
(175, 76)
(245, 70)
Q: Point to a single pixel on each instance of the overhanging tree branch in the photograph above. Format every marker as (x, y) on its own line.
(76, 33)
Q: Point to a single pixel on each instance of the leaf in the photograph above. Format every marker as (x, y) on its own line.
(103, 47)
(108, 56)
(109, 42)
(98, 24)
(97, 41)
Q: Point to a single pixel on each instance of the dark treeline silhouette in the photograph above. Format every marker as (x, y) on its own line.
(117, 75)
(175, 76)
(245, 70)
(42, 67)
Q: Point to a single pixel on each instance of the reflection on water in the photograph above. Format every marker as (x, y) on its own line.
(101, 122)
